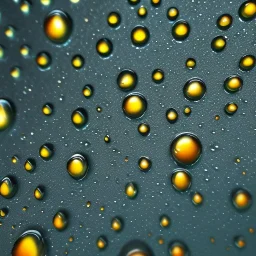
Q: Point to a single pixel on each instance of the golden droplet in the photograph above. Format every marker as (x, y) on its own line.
(186, 149)
(107, 139)
(39, 193)
(178, 249)
(88, 204)
(133, 2)
(30, 243)
(104, 47)
(77, 166)
(127, 80)
(10, 32)
(142, 12)
(144, 129)
(6, 114)
(218, 43)
(47, 109)
(231, 108)
(58, 27)
(77, 61)
(144, 164)
(240, 242)
(2, 52)
(224, 22)
(165, 221)
(190, 63)
(134, 105)
(155, 2)
(116, 224)
(197, 198)
(88, 91)
(171, 115)
(15, 159)
(247, 10)
(101, 242)
(3, 213)
(242, 199)
(46, 2)
(158, 76)
(140, 36)
(131, 190)
(8, 187)
(172, 13)
(25, 7)
(79, 118)
(187, 111)
(194, 89)
(181, 180)
(46, 151)
(180, 30)
(114, 19)
(247, 62)
(15, 72)
(30, 165)
(60, 221)
(233, 83)
(251, 230)
(43, 60)
(25, 51)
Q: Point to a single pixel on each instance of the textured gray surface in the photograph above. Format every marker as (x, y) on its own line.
(215, 175)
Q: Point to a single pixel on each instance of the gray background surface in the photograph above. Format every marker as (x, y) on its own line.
(215, 175)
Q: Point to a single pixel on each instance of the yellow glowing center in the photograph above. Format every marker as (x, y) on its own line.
(56, 27)
(4, 189)
(77, 118)
(139, 35)
(181, 180)
(103, 47)
(181, 30)
(44, 152)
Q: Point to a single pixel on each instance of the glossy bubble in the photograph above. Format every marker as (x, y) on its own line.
(127, 80)
(102, 242)
(142, 12)
(224, 21)
(181, 180)
(58, 27)
(60, 221)
(47, 109)
(144, 129)
(197, 198)
(177, 248)
(241, 199)
(231, 108)
(247, 62)
(190, 63)
(131, 190)
(104, 47)
(8, 187)
(39, 193)
(43, 60)
(194, 89)
(158, 76)
(30, 165)
(218, 43)
(6, 114)
(155, 3)
(77, 61)
(172, 13)
(134, 105)
(114, 19)
(165, 221)
(140, 36)
(46, 151)
(171, 115)
(144, 164)
(180, 30)
(247, 11)
(88, 91)
(79, 118)
(117, 224)
(233, 83)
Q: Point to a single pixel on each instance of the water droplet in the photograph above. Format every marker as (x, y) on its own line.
(239, 242)
(247, 11)
(77, 166)
(47, 109)
(127, 80)
(218, 43)
(142, 12)
(181, 180)
(171, 115)
(134, 105)
(30, 165)
(117, 224)
(43, 60)
(8, 187)
(144, 164)
(140, 36)
(135, 248)
(144, 129)
(247, 62)
(187, 111)
(158, 76)
(131, 190)
(197, 198)
(46, 2)
(102, 242)
(88, 91)
(186, 149)
(114, 19)
(10, 32)
(104, 47)
(6, 114)
(233, 83)
(25, 7)
(242, 199)
(231, 108)
(79, 118)
(29, 243)
(194, 89)
(15, 72)
(165, 221)
(224, 22)
(39, 193)
(107, 139)
(180, 30)
(155, 3)
(78, 61)
(60, 221)
(46, 151)
(190, 63)
(133, 2)
(172, 13)
(58, 26)
(25, 51)
(177, 248)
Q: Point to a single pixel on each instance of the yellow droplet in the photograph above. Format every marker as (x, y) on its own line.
(240, 241)
(171, 115)
(10, 32)
(172, 13)
(15, 159)
(178, 249)
(180, 30)
(247, 11)
(30, 165)
(47, 109)
(155, 2)
(181, 180)
(186, 149)
(165, 221)
(46, 2)
(161, 241)
(134, 105)
(87, 91)
(2, 52)
(127, 80)
(46, 151)
(158, 76)
(144, 129)
(77, 61)
(39, 193)
(191, 63)
(58, 27)
(233, 83)
(104, 47)
(8, 187)
(15, 72)
(144, 164)
(114, 19)
(60, 221)
(88, 204)
(3, 212)
(107, 139)
(77, 166)
(101, 243)
(218, 43)
(247, 62)
(224, 21)
(131, 190)
(25, 7)
(24, 51)
(197, 198)
(194, 89)
(231, 108)
(187, 111)
(241, 199)
(6, 114)
(43, 60)
(79, 118)
(116, 224)
(251, 230)
(142, 11)
(140, 36)
(71, 239)
(30, 243)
